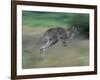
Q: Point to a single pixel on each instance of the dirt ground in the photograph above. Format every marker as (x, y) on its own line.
(75, 54)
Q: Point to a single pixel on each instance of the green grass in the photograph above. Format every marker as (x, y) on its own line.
(75, 54)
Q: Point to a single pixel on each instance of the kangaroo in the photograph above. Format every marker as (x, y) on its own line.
(53, 35)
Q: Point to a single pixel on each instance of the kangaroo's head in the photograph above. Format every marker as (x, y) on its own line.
(73, 31)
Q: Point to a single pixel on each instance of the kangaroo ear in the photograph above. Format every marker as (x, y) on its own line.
(73, 27)
(78, 27)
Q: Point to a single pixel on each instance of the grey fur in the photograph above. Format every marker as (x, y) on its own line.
(53, 35)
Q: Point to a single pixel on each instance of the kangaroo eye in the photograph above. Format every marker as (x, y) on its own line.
(61, 37)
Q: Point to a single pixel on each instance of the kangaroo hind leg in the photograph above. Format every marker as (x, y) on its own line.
(43, 48)
(48, 44)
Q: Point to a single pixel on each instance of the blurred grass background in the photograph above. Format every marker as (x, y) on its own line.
(36, 23)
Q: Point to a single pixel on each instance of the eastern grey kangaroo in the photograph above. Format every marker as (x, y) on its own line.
(53, 35)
